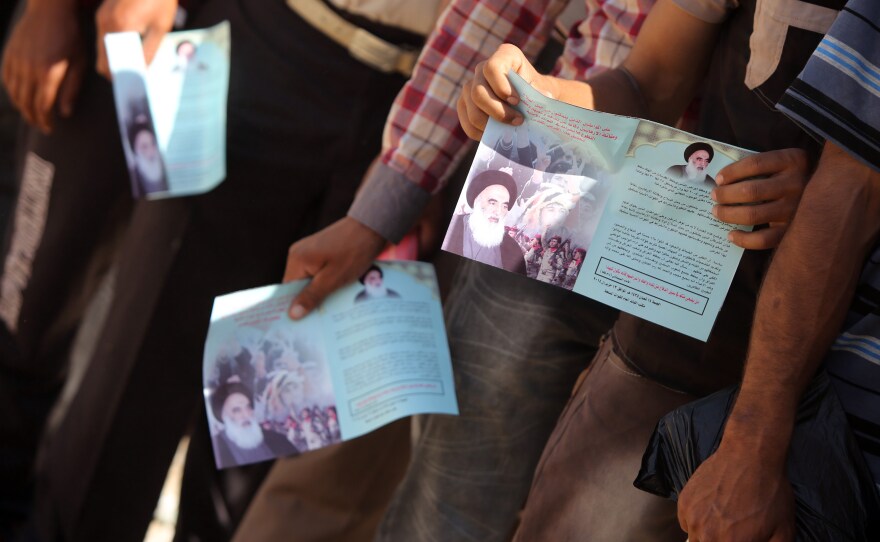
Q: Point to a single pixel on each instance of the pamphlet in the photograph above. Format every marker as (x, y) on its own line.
(617, 209)
(375, 351)
(172, 115)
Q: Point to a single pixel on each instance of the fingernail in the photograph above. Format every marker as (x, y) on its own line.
(516, 121)
(513, 100)
(297, 312)
(719, 179)
(715, 210)
(713, 195)
(730, 236)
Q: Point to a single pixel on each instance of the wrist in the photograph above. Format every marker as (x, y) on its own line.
(372, 240)
(762, 434)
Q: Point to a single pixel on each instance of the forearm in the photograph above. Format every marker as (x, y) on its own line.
(613, 91)
(804, 299)
(659, 77)
(423, 139)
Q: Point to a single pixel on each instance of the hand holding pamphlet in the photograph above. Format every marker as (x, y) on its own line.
(172, 115)
(614, 208)
(374, 352)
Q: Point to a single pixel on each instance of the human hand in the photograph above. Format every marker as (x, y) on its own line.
(772, 199)
(152, 19)
(738, 495)
(490, 94)
(44, 63)
(332, 257)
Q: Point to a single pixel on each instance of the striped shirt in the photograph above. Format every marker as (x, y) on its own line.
(837, 97)
(423, 140)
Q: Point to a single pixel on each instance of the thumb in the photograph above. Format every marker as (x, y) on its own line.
(151, 43)
(324, 283)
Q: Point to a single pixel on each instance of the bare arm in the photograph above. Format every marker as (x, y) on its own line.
(657, 81)
(44, 61)
(741, 492)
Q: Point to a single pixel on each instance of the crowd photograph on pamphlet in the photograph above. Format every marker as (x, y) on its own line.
(270, 395)
(374, 352)
(531, 204)
(614, 208)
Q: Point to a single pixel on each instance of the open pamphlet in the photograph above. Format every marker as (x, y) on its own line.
(617, 209)
(172, 115)
(375, 351)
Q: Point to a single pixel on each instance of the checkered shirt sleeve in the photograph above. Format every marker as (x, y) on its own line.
(603, 38)
(423, 140)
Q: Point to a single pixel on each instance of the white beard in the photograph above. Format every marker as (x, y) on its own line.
(247, 437)
(149, 170)
(376, 291)
(694, 174)
(486, 233)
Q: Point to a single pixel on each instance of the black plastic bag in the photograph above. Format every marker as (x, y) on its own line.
(835, 495)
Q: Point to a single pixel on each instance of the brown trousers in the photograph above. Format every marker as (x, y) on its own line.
(337, 494)
(583, 485)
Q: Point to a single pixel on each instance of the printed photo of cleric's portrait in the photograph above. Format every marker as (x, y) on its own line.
(697, 157)
(241, 440)
(374, 286)
(185, 54)
(480, 234)
(147, 167)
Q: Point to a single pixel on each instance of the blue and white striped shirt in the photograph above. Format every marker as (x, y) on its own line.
(837, 98)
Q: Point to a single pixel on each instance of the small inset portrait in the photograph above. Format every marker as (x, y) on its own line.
(697, 156)
(374, 286)
(148, 169)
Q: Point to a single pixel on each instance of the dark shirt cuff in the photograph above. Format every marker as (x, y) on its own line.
(388, 203)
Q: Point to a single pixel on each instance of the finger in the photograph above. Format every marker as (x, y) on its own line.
(757, 240)
(489, 103)
(324, 283)
(472, 130)
(682, 523)
(761, 164)
(47, 92)
(755, 190)
(151, 41)
(7, 63)
(25, 100)
(494, 72)
(752, 215)
(69, 90)
(101, 65)
(302, 263)
(12, 82)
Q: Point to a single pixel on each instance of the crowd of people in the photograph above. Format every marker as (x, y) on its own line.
(339, 132)
(286, 384)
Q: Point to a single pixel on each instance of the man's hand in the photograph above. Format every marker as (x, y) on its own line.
(489, 93)
(738, 495)
(44, 63)
(333, 257)
(152, 19)
(772, 199)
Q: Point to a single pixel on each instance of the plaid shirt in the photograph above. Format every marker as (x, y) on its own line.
(423, 140)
